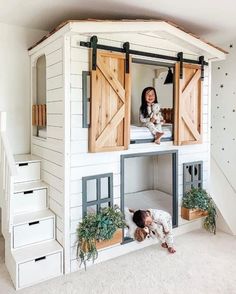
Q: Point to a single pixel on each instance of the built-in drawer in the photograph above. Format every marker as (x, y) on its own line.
(32, 232)
(27, 171)
(39, 269)
(29, 201)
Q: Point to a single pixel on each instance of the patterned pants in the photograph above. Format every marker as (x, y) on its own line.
(168, 238)
(159, 232)
(154, 128)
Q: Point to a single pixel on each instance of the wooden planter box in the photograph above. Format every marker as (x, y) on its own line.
(190, 214)
(117, 238)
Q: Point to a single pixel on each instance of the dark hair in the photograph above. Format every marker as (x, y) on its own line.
(143, 107)
(139, 218)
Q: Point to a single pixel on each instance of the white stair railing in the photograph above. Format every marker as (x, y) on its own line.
(7, 172)
(224, 194)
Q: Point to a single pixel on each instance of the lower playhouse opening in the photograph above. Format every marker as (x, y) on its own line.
(150, 181)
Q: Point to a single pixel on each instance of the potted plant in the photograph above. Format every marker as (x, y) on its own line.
(95, 230)
(198, 203)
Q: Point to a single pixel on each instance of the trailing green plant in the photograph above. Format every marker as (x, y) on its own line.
(97, 227)
(198, 198)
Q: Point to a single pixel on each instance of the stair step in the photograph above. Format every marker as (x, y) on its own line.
(31, 228)
(31, 217)
(35, 251)
(29, 186)
(29, 197)
(24, 158)
(27, 167)
(36, 263)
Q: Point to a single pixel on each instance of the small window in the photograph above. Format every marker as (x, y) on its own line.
(39, 111)
(97, 192)
(86, 98)
(192, 175)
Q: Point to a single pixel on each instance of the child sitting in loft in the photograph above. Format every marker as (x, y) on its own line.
(157, 221)
(150, 113)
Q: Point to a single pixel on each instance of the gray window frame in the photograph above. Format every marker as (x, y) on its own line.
(175, 205)
(98, 200)
(193, 182)
(85, 99)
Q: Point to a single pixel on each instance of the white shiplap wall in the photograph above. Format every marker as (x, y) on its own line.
(51, 150)
(85, 164)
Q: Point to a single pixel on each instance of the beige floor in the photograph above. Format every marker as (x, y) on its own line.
(203, 264)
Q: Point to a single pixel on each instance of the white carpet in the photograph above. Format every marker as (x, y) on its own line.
(204, 263)
(149, 199)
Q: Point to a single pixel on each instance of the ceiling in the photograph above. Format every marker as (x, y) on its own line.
(213, 20)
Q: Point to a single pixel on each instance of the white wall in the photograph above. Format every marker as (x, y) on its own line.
(163, 173)
(147, 173)
(15, 83)
(223, 132)
(164, 92)
(139, 174)
(142, 77)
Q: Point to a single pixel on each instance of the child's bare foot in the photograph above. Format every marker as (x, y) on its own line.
(164, 245)
(171, 250)
(158, 137)
(158, 141)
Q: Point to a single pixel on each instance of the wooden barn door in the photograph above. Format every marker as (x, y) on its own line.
(110, 104)
(188, 105)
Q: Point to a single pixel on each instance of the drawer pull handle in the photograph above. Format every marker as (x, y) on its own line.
(23, 164)
(29, 192)
(40, 258)
(34, 223)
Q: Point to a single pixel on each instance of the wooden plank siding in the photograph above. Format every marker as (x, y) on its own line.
(51, 150)
(85, 164)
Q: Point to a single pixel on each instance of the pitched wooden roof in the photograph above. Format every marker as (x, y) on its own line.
(125, 20)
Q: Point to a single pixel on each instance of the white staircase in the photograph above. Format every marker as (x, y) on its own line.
(32, 254)
(224, 195)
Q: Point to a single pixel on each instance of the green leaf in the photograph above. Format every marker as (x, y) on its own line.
(198, 198)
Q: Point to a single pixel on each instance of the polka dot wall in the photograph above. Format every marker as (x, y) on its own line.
(223, 113)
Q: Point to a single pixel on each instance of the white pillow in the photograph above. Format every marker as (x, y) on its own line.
(129, 221)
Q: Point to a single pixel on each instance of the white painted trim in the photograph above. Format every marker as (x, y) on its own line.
(8, 171)
(3, 121)
(67, 134)
(94, 27)
(193, 40)
(119, 250)
(9, 155)
(50, 39)
(142, 26)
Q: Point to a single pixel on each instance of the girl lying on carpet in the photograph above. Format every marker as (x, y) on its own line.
(156, 221)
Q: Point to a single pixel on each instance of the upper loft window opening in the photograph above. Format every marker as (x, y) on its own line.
(39, 114)
(160, 76)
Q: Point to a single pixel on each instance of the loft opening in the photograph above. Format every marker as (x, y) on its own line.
(149, 180)
(160, 76)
